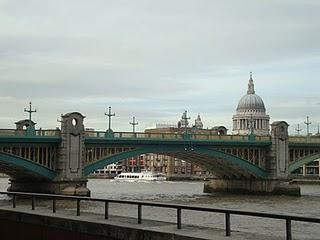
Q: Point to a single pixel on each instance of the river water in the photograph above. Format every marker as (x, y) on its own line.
(191, 193)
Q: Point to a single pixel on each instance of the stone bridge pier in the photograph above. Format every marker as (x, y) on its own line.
(277, 163)
(68, 166)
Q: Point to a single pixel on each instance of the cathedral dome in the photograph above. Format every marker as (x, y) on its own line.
(251, 102)
(251, 117)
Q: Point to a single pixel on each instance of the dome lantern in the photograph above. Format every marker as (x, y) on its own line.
(251, 85)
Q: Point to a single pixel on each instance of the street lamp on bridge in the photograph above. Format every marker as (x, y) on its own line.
(307, 123)
(133, 123)
(109, 132)
(30, 129)
(185, 123)
(298, 129)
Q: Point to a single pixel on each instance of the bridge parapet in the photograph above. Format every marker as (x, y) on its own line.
(304, 139)
(37, 133)
(175, 136)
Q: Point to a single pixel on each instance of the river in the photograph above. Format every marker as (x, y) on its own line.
(191, 193)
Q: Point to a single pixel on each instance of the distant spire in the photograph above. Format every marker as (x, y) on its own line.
(250, 85)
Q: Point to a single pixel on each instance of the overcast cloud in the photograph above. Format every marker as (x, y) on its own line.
(155, 59)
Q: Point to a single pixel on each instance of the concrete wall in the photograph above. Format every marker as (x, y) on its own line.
(18, 231)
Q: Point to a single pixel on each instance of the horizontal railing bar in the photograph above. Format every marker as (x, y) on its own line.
(174, 206)
(151, 135)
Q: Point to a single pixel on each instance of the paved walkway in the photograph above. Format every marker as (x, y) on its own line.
(122, 226)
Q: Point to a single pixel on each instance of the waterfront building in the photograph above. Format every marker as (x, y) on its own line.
(251, 117)
(174, 167)
(134, 164)
(109, 170)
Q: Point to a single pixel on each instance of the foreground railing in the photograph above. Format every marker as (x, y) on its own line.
(179, 208)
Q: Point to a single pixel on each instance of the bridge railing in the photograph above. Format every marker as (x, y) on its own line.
(37, 132)
(304, 139)
(288, 218)
(175, 136)
(8, 132)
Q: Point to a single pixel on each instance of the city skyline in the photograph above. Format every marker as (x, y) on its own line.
(154, 61)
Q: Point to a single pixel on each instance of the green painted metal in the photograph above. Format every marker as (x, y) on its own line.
(303, 144)
(251, 137)
(186, 135)
(143, 141)
(243, 164)
(30, 139)
(109, 134)
(30, 131)
(113, 159)
(299, 163)
(27, 165)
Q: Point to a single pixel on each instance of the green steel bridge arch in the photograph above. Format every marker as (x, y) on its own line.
(221, 162)
(20, 168)
(300, 162)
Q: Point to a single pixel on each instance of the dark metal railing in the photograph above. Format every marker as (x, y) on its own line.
(179, 208)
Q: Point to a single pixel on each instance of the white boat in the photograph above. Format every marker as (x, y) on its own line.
(140, 176)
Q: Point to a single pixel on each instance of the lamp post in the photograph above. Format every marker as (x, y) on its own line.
(30, 129)
(110, 115)
(307, 123)
(298, 129)
(251, 133)
(109, 132)
(133, 123)
(185, 119)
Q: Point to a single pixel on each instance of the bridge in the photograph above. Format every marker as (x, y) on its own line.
(58, 161)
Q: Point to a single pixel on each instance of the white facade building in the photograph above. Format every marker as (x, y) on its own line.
(251, 114)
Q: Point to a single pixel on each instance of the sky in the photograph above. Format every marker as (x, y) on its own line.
(156, 59)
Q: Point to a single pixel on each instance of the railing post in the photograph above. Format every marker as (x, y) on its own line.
(33, 202)
(14, 198)
(54, 205)
(106, 210)
(288, 229)
(139, 213)
(228, 229)
(78, 207)
(179, 218)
